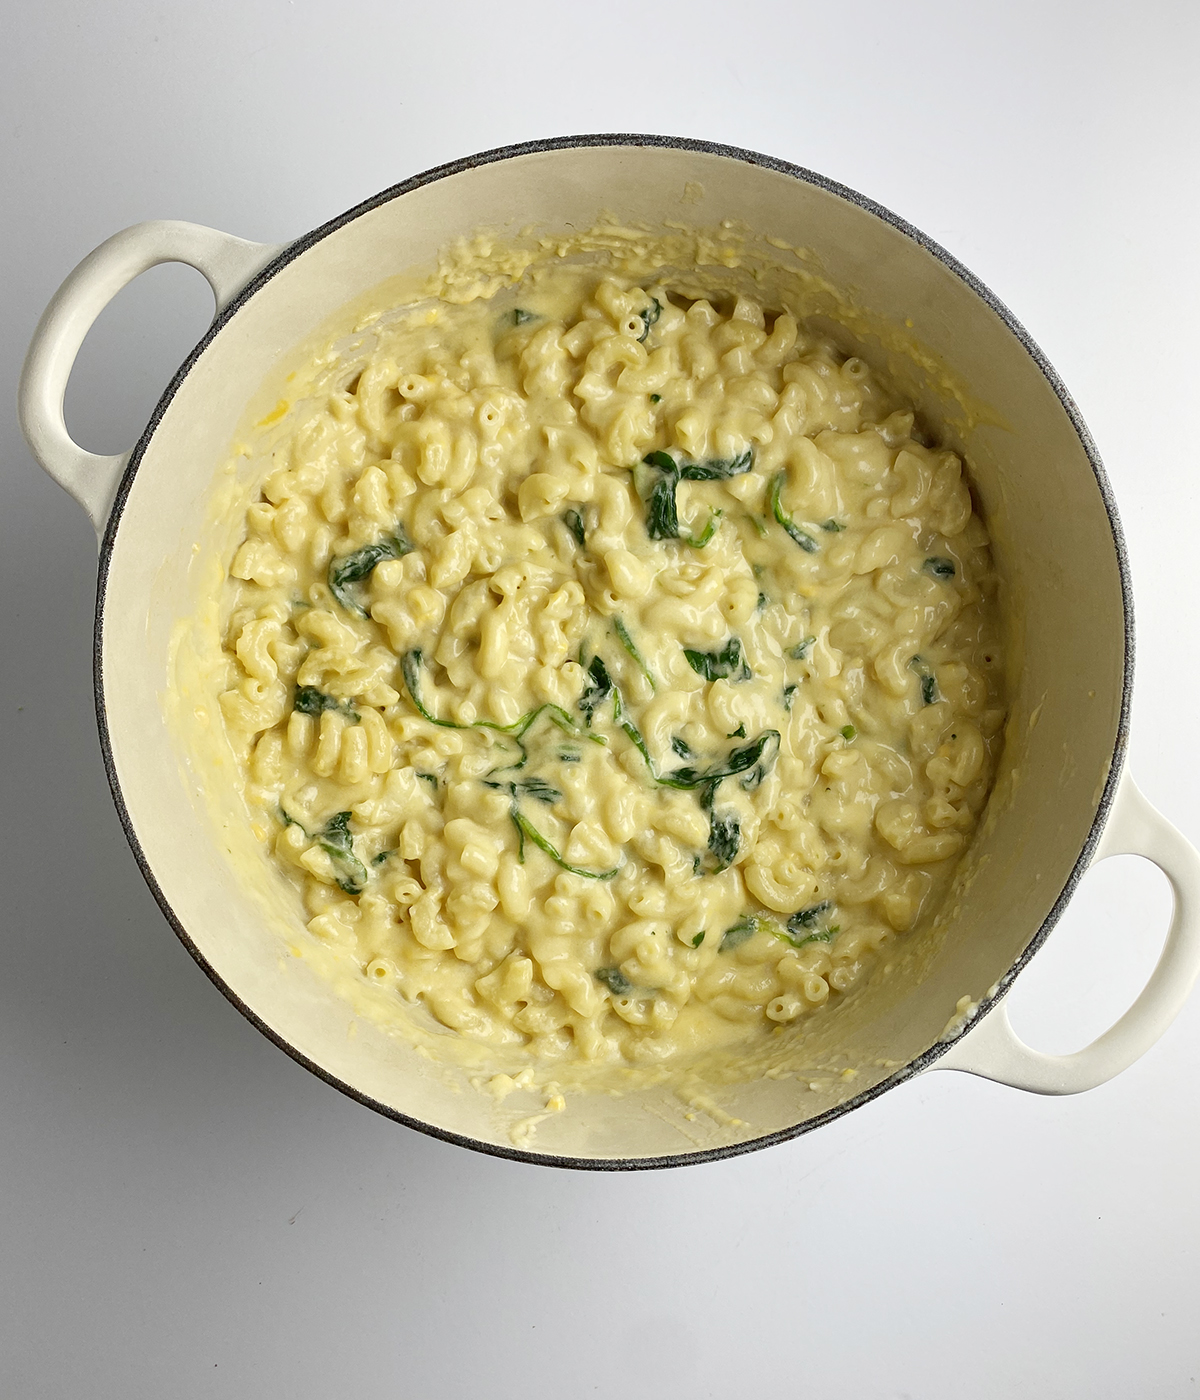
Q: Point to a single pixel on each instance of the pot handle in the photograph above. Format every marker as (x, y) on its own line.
(993, 1049)
(226, 262)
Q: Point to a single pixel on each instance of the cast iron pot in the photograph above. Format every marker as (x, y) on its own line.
(1062, 799)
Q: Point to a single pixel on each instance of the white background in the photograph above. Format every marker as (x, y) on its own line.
(184, 1211)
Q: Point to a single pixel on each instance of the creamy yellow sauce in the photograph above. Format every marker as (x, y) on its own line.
(615, 673)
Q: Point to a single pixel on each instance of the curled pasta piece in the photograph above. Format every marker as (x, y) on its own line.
(960, 757)
(542, 494)
(913, 476)
(898, 822)
(429, 927)
(508, 985)
(254, 705)
(258, 561)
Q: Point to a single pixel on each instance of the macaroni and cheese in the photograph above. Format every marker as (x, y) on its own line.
(615, 672)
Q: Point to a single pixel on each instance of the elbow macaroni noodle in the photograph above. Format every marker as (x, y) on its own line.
(614, 672)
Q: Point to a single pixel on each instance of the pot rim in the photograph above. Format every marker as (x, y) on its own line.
(805, 176)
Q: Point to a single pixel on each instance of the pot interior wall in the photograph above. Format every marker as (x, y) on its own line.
(1039, 496)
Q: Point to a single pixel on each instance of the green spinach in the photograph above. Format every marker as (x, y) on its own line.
(716, 468)
(807, 918)
(724, 832)
(929, 686)
(753, 759)
(410, 669)
(541, 790)
(657, 478)
(337, 843)
(537, 788)
(631, 647)
(719, 665)
(650, 316)
(632, 733)
(311, 701)
(710, 529)
(801, 537)
(598, 691)
(348, 569)
(526, 829)
(615, 980)
(737, 934)
(804, 926)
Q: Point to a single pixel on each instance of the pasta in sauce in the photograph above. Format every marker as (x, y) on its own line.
(616, 673)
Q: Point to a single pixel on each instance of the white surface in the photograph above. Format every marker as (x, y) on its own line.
(184, 1211)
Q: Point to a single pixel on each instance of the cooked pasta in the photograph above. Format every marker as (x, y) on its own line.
(613, 671)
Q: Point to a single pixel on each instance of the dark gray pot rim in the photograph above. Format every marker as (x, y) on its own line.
(783, 167)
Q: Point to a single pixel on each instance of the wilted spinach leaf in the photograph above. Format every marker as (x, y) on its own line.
(753, 756)
(929, 686)
(724, 838)
(658, 475)
(719, 665)
(801, 537)
(599, 690)
(615, 980)
(650, 316)
(737, 934)
(410, 669)
(311, 701)
(335, 840)
(631, 647)
(353, 568)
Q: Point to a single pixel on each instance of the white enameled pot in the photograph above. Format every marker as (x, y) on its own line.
(1062, 799)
